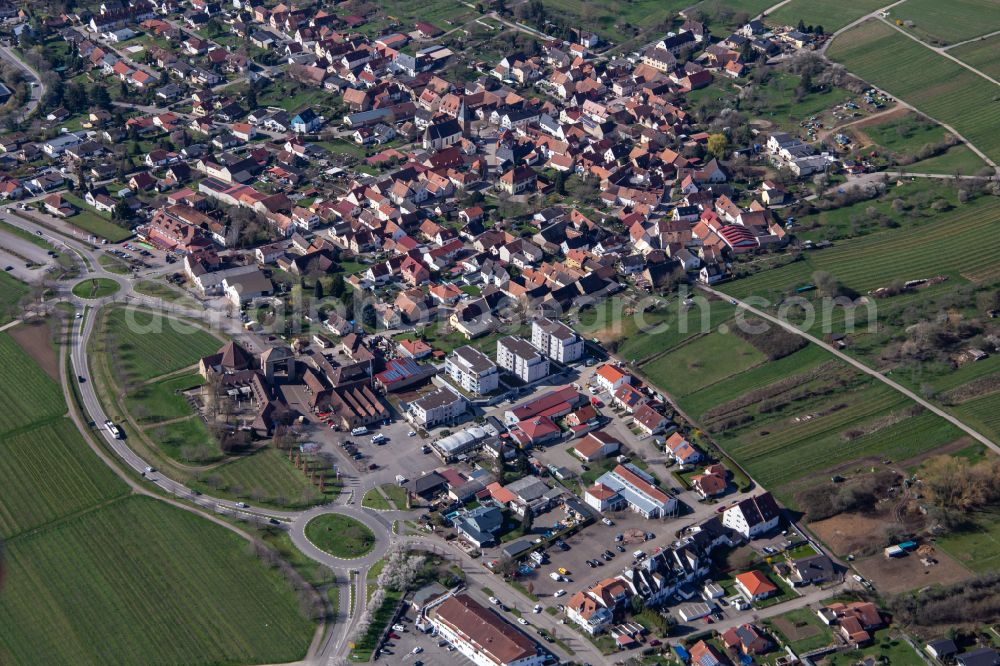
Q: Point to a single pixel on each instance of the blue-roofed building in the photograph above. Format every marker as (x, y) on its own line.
(480, 525)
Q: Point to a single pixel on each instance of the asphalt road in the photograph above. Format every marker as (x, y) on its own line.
(30, 76)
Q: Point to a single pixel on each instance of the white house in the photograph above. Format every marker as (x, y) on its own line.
(753, 516)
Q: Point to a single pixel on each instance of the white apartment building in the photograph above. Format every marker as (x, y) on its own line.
(556, 340)
(442, 406)
(472, 370)
(521, 358)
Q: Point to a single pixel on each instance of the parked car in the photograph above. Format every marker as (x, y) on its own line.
(607, 521)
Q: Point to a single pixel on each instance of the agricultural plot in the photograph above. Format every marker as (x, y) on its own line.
(47, 473)
(757, 377)
(12, 291)
(151, 345)
(937, 86)
(951, 245)
(832, 16)
(28, 395)
(160, 585)
(981, 54)
(982, 413)
(871, 421)
(942, 23)
(700, 363)
(93, 577)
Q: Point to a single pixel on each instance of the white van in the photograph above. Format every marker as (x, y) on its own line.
(361, 430)
(378, 438)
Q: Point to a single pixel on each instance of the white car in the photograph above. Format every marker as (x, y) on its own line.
(398, 627)
(559, 593)
(521, 620)
(607, 521)
(411, 433)
(858, 578)
(537, 608)
(417, 650)
(494, 601)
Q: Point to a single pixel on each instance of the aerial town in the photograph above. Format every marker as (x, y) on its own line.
(515, 332)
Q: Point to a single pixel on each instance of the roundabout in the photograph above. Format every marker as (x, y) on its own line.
(95, 288)
(340, 536)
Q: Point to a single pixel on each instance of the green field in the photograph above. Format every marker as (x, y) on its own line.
(188, 439)
(977, 545)
(28, 395)
(957, 159)
(164, 291)
(160, 401)
(698, 402)
(937, 86)
(640, 335)
(113, 264)
(616, 22)
(265, 476)
(95, 577)
(341, 536)
(12, 291)
(95, 288)
(832, 16)
(952, 245)
(47, 473)
(94, 222)
(700, 363)
(731, 13)
(138, 582)
(981, 54)
(941, 23)
(805, 621)
(151, 345)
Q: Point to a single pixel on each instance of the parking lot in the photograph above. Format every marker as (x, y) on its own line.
(591, 544)
(401, 650)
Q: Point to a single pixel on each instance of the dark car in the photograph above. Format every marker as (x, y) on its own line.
(373, 466)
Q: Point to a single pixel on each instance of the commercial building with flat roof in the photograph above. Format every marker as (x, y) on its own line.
(441, 406)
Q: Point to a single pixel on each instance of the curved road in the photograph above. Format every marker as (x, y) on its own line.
(975, 434)
(35, 92)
